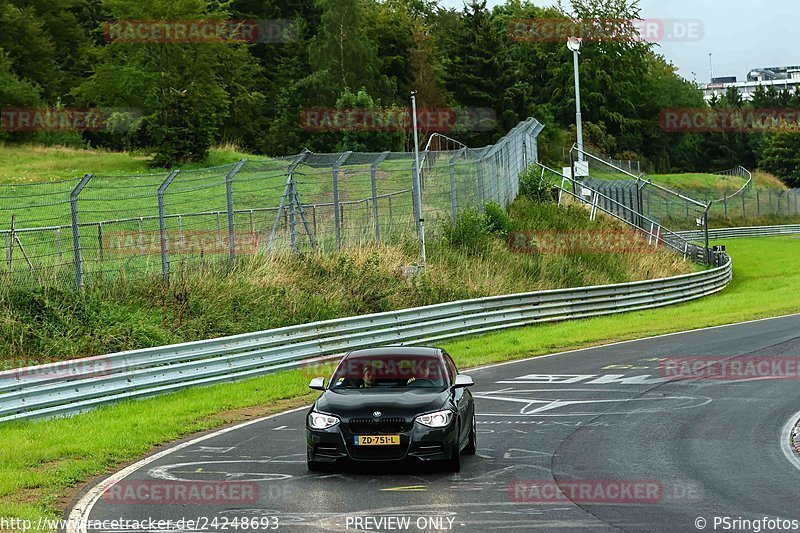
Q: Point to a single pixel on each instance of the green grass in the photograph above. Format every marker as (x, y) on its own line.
(701, 182)
(41, 463)
(765, 279)
(20, 164)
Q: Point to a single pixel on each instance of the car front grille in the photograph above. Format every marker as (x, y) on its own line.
(370, 426)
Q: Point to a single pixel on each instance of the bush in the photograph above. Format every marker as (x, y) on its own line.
(532, 185)
(497, 220)
(469, 232)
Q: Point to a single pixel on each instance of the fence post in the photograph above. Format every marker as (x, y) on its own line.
(374, 177)
(744, 209)
(725, 203)
(758, 202)
(453, 195)
(415, 207)
(337, 215)
(292, 213)
(231, 215)
(76, 233)
(479, 176)
(162, 224)
(100, 251)
(58, 241)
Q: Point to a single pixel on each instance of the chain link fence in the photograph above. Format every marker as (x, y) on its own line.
(682, 209)
(75, 232)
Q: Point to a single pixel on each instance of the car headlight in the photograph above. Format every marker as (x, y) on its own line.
(320, 421)
(439, 419)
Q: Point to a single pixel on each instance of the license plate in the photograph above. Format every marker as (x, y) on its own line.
(377, 440)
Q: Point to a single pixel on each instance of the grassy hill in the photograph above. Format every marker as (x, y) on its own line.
(33, 164)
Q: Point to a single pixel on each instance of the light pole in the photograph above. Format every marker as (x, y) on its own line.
(711, 66)
(574, 44)
(417, 187)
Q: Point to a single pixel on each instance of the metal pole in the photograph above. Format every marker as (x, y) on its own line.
(418, 190)
(231, 217)
(100, 251)
(162, 223)
(578, 119)
(292, 212)
(76, 234)
(705, 231)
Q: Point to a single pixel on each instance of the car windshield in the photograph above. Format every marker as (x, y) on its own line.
(390, 372)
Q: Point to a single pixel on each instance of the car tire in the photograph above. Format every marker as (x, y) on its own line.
(315, 466)
(454, 463)
(472, 444)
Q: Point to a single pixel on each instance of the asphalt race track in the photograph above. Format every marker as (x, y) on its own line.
(599, 417)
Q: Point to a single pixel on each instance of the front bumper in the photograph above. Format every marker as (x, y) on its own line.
(418, 442)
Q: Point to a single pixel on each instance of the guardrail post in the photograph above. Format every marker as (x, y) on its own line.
(373, 173)
(162, 224)
(337, 215)
(231, 213)
(76, 233)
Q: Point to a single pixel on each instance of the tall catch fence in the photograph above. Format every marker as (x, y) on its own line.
(621, 195)
(741, 201)
(78, 231)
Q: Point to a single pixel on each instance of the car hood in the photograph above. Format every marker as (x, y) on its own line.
(361, 403)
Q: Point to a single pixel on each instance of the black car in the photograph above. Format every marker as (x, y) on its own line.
(392, 404)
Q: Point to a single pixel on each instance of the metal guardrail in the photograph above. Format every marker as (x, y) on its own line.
(752, 231)
(83, 384)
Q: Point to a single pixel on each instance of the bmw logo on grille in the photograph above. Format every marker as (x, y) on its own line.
(376, 414)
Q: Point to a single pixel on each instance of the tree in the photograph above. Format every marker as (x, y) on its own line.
(474, 56)
(341, 54)
(781, 155)
(182, 90)
(370, 138)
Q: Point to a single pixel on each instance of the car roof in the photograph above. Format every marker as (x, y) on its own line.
(397, 350)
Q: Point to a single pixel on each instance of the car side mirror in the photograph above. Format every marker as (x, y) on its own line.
(317, 384)
(463, 381)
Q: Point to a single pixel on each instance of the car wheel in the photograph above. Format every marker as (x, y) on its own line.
(454, 463)
(472, 444)
(315, 466)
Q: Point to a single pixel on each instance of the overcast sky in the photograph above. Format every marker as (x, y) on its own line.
(741, 34)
